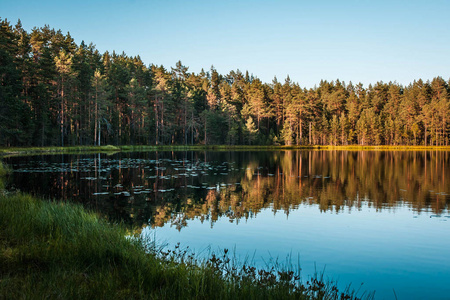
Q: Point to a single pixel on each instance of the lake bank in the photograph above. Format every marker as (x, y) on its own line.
(59, 250)
(17, 151)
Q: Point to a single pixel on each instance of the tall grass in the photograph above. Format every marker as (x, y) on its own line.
(58, 250)
(130, 148)
(4, 169)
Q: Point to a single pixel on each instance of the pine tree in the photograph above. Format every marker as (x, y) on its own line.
(251, 130)
(63, 63)
(100, 98)
(12, 110)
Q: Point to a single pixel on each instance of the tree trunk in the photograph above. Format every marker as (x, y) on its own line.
(99, 132)
(310, 133)
(157, 123)
(62, 112)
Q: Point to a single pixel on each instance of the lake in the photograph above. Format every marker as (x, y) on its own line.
(377, 218)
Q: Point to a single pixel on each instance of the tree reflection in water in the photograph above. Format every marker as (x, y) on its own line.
(160, 187)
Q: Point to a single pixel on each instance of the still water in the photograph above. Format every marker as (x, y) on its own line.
(380, 219)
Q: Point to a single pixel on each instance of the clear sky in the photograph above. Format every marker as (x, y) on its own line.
(355, 40)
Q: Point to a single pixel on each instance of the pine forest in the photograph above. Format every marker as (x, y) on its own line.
(54, 92)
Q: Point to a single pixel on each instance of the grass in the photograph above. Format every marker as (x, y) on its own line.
(130, 148)
(58, 150)
(59, 250)
(4, 169)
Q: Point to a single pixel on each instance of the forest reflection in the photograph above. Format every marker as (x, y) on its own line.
(335, 181)
(174, 187)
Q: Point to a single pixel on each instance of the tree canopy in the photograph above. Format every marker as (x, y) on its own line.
(55, 92)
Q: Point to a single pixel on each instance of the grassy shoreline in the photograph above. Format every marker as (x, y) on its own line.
(129, 148)
(60, 250)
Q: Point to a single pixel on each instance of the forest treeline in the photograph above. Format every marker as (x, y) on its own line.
(55, 92)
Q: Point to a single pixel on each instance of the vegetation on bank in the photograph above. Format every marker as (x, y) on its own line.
(130, 148)
(57, 93)
(273, 147)
(58, 250)
(59, 150)
(4, 169)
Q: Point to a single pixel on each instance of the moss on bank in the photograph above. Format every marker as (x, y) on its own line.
(58, 250)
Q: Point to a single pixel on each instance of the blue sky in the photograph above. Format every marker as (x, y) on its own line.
(354, 40)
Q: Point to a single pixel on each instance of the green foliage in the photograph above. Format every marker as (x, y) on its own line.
(4, 169)
(55, 92)
(251, 130)
(61, 251)
(286, 134)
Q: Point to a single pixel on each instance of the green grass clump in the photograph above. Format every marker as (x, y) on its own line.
(58, 250)
(4, 169)
(61, 251)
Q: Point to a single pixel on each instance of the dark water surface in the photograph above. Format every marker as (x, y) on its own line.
(375, 217)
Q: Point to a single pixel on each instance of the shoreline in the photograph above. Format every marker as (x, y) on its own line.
(41, 253)
(18, 151)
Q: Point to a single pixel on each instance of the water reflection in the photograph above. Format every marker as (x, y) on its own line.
(375, 217)
(160, 187)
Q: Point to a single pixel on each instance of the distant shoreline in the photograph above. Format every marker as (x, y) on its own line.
(13, 151)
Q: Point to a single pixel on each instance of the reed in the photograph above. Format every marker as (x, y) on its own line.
(4, 169)
(59, 250)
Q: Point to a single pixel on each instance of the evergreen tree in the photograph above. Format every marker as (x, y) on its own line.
(13, 112)
(55, 92)
(63, 63)
(101, 105)
(251, 130)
